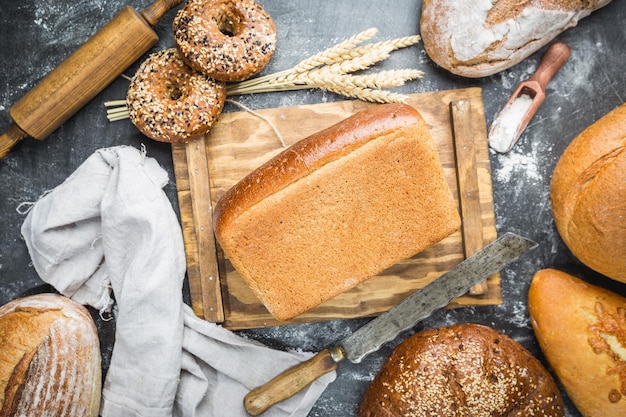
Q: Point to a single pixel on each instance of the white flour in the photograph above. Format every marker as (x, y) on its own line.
(504, 131)
(70, 23)
(517, 163)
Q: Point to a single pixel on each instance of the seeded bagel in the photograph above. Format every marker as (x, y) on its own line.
(225, 39)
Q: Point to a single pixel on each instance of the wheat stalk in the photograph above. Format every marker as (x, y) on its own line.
(310, 78)
(367, 94)
(344, 58)
(379, 80)
(329, 70)
(336, 53)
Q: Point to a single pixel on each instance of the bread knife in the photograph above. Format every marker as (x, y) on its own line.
(386, 327)
(520, 108)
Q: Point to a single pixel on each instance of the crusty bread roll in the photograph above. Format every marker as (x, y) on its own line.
(461, 370)
(49, 358)
(581, 329)
(482, 37)
(588, 195)
(336, 208)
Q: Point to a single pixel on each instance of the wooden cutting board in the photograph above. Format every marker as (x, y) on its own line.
(241, 141)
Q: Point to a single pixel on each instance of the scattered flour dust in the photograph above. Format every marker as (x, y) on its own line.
(516, 163)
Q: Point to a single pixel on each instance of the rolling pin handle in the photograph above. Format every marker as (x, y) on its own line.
(10, 138)
(153, 13)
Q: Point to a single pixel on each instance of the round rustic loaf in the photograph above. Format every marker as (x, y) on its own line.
(581, 329)
(482, 37)
(461, 370)
(588, 195)
(49, 358)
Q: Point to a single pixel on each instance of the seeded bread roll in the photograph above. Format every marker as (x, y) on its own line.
(482, 37)
(588, 195)
(49, 358)
(581, 329)
(461, 370)
(337, 208)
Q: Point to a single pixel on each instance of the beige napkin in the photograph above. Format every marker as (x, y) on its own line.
(110, 228)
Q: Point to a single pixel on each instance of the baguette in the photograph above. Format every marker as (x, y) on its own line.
(49, 358)
(336, 208)
(581, 329)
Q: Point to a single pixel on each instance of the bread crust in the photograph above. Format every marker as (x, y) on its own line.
(579, 327)
(309, 154)
(461, 370)
(588, 195)
(336, 208)
(49, 358)
(480, 38)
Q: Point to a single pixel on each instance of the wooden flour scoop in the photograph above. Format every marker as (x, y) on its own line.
(84, 74)
(509, 124)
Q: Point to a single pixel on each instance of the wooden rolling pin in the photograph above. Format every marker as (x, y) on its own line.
(84, 74)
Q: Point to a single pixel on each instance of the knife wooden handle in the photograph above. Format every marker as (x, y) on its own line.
(555, 57)
(292, 381)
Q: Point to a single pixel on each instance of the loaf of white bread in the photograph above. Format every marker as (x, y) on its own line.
(336, 208)
(461, 370)
(588, 195)
(482, 37)
(49, 358)
(581, 329)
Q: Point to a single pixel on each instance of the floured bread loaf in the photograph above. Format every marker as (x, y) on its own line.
(337, 208)
(581, 329)
(49, 359)
(482, 37)
(461, 370)
(588, 195)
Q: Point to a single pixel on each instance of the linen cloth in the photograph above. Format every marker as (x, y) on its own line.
(108, 235)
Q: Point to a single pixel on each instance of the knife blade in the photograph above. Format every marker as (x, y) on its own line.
(386, 327)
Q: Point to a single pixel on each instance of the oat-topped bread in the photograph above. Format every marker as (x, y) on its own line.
(336, 208)
(461, 370)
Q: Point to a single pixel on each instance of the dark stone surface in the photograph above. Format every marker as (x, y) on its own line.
(36, 36)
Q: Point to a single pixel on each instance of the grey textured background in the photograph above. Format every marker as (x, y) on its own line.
(35, 36)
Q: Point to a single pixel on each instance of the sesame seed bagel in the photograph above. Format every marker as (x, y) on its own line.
(170, 102)
(461, 370)
(226, 39)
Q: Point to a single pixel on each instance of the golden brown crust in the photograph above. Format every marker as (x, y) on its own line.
(49, 358)
(336, 208)
(588, 195)
(229, 40)
(461, 370)
(170, 102)
(482, 37)
(581, 329)
(311, 153)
